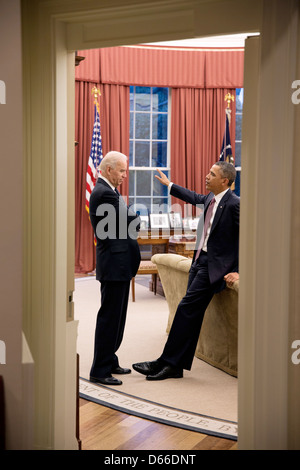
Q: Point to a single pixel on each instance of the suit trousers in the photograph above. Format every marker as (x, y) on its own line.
(110, 326)
(182, 341)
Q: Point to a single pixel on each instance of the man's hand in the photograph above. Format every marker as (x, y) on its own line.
(230, 278)
(163, 179)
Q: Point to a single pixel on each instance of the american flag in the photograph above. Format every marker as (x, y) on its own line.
(94, 159)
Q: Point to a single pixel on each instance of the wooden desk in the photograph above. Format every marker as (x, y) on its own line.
(155, 244)
(178, 245)
(183, 246)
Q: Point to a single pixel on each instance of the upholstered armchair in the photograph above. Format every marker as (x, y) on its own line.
(217, 344)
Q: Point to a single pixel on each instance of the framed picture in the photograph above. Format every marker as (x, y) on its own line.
(175, 220)
(193, 223)
(144, 222)
(186, 223)
(159, 220)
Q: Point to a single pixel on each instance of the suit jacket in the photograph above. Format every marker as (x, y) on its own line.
(115, 227)
(223, 241)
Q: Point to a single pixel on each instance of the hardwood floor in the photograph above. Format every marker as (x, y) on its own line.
(103, 428)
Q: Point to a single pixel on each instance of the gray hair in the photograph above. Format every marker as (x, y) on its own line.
(227, 171)
(111, 159)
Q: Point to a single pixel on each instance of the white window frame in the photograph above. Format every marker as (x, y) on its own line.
(136, 168)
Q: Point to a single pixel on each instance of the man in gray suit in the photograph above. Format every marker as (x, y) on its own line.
(117, 262)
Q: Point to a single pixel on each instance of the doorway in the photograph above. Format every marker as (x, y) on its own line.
(49, 254)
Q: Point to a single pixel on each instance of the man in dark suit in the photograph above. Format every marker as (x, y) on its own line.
(117, 261)
(215, 262)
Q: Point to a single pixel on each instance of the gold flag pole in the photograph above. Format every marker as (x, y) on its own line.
(96, 93)
(229, 98)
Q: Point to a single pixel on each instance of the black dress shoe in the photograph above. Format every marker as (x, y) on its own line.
(166, 372)
(147, 368)
(121, 370)
(106, 380)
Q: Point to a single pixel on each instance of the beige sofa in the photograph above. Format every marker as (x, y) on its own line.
(217, 344)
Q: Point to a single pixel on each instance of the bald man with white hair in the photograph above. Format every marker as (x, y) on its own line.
(117, 262)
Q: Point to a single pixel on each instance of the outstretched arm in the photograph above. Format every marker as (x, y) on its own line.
(162, 178)
(181, 193)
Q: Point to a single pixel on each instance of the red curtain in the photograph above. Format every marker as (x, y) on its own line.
(114, 122)
(172, 66)
(84, 117)
(197, 130)
(199, 79)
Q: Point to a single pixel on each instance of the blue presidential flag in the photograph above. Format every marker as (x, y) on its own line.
(226, 150)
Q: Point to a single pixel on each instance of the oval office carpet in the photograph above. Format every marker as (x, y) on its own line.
(205, 400)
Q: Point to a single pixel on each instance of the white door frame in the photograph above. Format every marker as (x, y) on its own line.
(51, 29)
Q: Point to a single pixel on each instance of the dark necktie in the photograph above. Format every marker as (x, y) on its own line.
(206, 225)
(120, 197)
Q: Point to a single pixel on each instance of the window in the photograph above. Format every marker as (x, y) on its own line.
(238, 137)
(149, 148)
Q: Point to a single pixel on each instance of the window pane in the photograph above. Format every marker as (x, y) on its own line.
(239, 99)
(131, 125)
(143, 204)
(143, 183)
(159, 154)
(131, 183)
(131, 97)
(160, 126)
(160, 205)
(158, 188)
(237, 160)
(147, 108)
(238, 127)
(142, 126)
(131, 154)
(160, 99)
(142, 153)
(142, 98)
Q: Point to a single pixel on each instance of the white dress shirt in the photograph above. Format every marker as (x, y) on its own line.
(218, 198)
(108, 182)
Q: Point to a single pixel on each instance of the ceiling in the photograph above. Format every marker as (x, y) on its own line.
(234, 40)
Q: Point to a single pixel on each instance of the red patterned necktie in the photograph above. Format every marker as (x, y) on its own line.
(206, 225)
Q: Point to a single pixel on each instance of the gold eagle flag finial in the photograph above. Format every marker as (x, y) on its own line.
(229, 97)
(96, 93)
